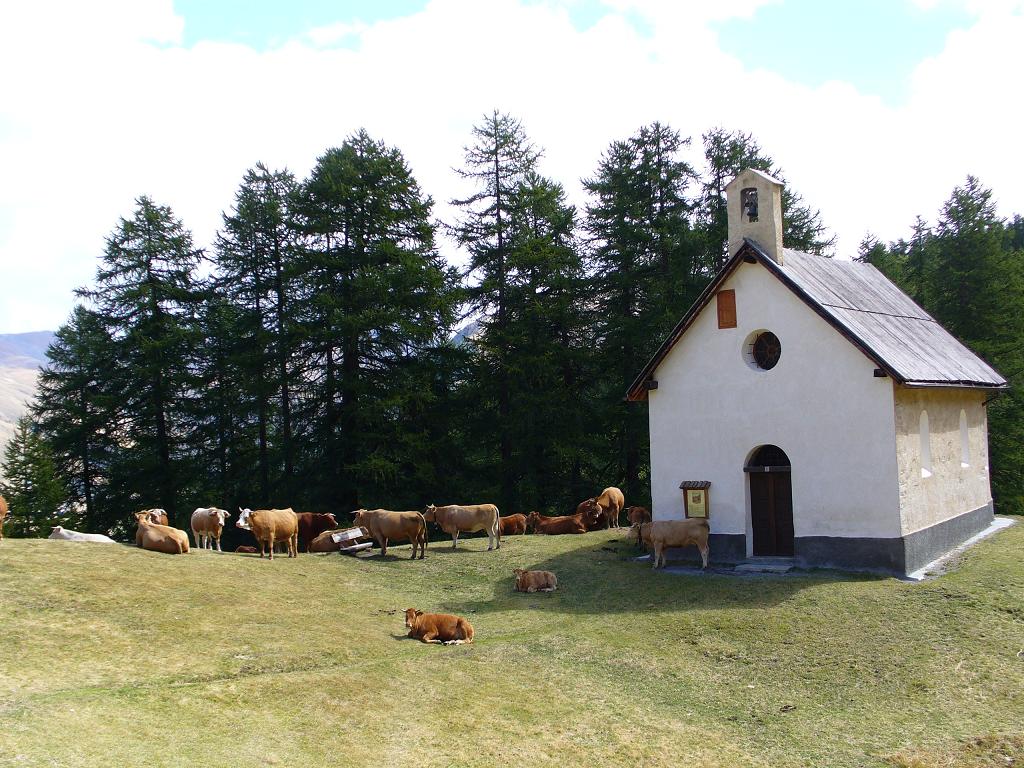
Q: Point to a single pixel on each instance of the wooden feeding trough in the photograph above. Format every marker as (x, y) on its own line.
(348, 540)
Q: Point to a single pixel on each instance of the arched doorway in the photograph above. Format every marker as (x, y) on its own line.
(771, 501)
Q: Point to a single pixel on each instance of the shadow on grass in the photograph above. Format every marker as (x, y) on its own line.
(604, 577)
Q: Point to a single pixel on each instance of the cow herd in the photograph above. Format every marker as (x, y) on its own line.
(315, 532)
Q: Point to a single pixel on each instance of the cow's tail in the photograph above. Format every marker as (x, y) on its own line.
(423, 533)
(497, 524)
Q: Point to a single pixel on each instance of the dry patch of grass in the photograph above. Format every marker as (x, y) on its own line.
(111, 655)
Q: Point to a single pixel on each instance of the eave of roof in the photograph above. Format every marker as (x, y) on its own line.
(751, 252)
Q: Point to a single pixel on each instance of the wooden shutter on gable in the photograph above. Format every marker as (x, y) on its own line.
(726, 309)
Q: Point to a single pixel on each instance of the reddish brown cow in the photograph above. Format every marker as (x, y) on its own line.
(510, 524)
(637, 516)
(311, 525)
(604, 508)
(246, 550)
(3, 515)
(557, 525)
(440, 628)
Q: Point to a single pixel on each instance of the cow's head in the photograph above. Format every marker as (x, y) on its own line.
(518, 573)
(410, 616)
(357, 517)
(143, 518)
(329, 517)
(532, 518)
(220, 515)
(243, 519)
(430, 513)
(56, 529)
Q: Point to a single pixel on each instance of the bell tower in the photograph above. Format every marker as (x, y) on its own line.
(754, 207)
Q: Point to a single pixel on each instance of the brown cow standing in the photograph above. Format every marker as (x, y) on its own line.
(271, 526)
(440, 628)
(678, 533)
(511, 524)
(385, 525)
(3, 516)
(311, 525)
(558, 525)
(160, 538)
(609, 503)
(455, 519)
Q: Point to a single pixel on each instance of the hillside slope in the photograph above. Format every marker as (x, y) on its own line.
(115, 656)
(21, 355)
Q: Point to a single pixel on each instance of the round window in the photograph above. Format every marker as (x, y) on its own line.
(762, 350)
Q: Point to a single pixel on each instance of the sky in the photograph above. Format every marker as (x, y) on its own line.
(875, 109)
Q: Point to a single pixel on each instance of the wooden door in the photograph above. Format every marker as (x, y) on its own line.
(771, 513)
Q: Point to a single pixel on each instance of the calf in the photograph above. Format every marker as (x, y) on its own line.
(535, 581)
(679, 533)
(63, 534)
(207, 526)
(160, 538)
(385, 525)
(311, 525)
(3, 516)
(455, 519)
(558, 525)
(440, 628)
(512, 524)
(270, 526)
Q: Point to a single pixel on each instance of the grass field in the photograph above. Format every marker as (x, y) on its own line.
(111, 656)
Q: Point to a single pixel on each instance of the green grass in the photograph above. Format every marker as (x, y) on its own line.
(113, 656)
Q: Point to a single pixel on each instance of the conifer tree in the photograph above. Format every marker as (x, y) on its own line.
(147, 297)
(33, 492)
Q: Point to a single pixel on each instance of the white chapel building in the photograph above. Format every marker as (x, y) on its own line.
(827, 416)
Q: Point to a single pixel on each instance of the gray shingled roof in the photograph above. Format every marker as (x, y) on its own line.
(903, 337)
(865, 307)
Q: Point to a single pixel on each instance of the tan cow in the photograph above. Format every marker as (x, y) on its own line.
(270, 526)
(535, 581)
(609, 503)
(643, 535)
(208, 525)
(455, 519)
(157, 516)
(385, 525)
(440, 628)
(678, 533)
(159, 538)
(3, 516)
(637, 516)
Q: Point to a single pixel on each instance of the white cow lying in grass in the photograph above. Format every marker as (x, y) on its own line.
(65, 535)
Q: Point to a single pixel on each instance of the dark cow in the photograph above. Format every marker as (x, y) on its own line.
(311, 525)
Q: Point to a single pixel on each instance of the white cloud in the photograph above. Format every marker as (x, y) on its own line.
(105, 105)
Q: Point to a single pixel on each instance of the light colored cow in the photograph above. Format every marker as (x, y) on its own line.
(270, 526)
(455, 519)
(208, 525)
(678, 533)
(160, 538)
(63, 534)
(535, 581)
(387, 525)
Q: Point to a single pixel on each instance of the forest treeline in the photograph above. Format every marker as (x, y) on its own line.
(310, 358)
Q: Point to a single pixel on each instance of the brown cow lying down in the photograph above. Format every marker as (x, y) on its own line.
(245, 549)
(160, 538)
(311, 525)
(557, 525)
(511, 524)
(535, 581)
(455, 519)
(271, 526)
(678, 533)
(385, 525)
(441, 628)
(3, 515)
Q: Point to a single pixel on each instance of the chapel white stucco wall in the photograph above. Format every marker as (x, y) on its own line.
(958, 478)
(821, 404)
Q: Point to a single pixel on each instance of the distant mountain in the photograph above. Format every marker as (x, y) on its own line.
(21, 355)
(466, 333)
